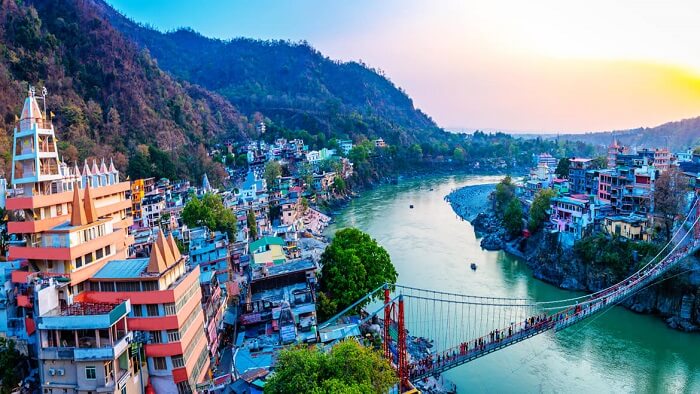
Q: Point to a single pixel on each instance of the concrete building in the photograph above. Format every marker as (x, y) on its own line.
(69, 223)
(268, 251)
(209, 250)
(166, 299)
(572, 217)
(632, 227)
(152, 207)
(85, 347)
(345, 146)
(577, 174)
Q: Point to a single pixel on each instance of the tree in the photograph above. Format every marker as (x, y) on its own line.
(505, 191)
(459, 154)
(415, 152)
(348, 368)
(339, 185)
(538, 209)
(353, 265)
(305, 173)
(562, 170)
(513, 217)
(599, 163)
(273, 170)
(669, 197)
(210, 211)
(12, 366)
(252, 225)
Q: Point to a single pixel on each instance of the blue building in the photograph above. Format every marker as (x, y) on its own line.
(209, 250)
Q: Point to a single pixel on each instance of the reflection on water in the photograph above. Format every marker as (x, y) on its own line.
(618, 351)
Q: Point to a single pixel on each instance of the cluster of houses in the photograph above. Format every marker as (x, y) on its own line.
(107, 289)
(615, 198)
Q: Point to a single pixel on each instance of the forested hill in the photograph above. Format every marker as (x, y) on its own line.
(291, 83)
(108, 95)
(676, 135)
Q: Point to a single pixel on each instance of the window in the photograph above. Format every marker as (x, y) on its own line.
(99, 253)
(138, 312)
(88, 258)
(152, 309)
(169, 309)
(78, 262)
(91, 372)
(109, 369)
(108, 250)
(159, 363)
(184, 388)
(178, 362)
(173, 335)
(156, 337)
(149, 285)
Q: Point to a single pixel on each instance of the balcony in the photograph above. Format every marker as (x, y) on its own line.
(109, 352)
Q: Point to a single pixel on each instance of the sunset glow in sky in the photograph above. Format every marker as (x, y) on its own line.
(514, 65)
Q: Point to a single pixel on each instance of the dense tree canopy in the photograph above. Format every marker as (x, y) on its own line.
(562, 170)
(210, 211)
(108, 95)
(504, 193)
(353, 265)
(252, 225)
(539, 208)
(273, 170)
(513, 217)
(12, 366)
(348, 368)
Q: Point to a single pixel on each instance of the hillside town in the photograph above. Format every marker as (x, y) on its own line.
(616, 198)
(108, 288)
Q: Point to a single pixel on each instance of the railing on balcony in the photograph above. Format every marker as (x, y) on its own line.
(28, 124)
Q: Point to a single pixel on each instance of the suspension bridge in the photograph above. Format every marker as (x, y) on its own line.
(462, 328)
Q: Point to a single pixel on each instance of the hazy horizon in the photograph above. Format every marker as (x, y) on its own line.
(502, 65)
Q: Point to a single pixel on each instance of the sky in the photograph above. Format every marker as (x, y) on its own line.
(535, 66)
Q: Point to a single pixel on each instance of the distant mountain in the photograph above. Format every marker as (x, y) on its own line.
(676, 135)
(108, 94)
(291, 83)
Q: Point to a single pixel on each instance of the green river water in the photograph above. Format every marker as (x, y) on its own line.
(620, 351)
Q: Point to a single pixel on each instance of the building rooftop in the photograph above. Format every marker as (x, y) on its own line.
(123, 269)
(265, 241)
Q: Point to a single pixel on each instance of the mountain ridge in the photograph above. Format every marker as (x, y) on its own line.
(291, 83)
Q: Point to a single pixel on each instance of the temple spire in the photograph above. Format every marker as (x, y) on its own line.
(173, 247)
(78, 217)
(156, 263)
(90, 211)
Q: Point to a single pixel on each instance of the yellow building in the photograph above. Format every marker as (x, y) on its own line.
(268, 251)
(631, 227)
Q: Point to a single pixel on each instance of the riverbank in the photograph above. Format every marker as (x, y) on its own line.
(468, 202)
(676, 300)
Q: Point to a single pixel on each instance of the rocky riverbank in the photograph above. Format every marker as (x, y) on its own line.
(676, 300)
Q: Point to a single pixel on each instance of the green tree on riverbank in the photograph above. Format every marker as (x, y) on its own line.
(353, 265)
(513, 218)
(505, 192)
(538, 209)
(348, 368)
